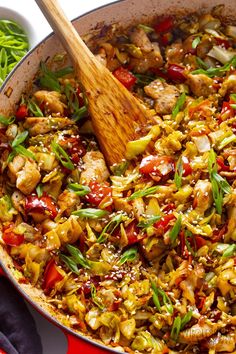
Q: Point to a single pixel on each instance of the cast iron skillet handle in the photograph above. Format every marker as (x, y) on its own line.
(76, 345)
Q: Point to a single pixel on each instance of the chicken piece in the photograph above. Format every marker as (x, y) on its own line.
(201, 85)
(15, 166)
(174, 53)
(18, 201)
(28, 177)
(165, 96)
(228, 86)
(222, 343)
(153, 59)
(141, 40)
(51, 100)
(202, 196)
(189, 285)
(67, 201)
(94, 168)
(198, 332)
(43, 125)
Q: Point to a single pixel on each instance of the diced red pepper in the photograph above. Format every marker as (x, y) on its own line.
(159, 73)
(200, 241)
(169, 208)
(21, 112)
(125, 77)
(226, 111)
(176, 73)
(74, 147)
(219, 233)
(166, 38)
(43, 205)
(11, 238)
(157, 165)
(187, 169)
(163, 223)
(164, 25)
(222, 42)
(98, 193)
(183, 247)
(51, 276)
(221, 164)
(132, 233)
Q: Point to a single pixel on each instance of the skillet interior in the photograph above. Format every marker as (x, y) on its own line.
(19, 81)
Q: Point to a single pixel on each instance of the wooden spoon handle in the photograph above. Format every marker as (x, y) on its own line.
(65, 31)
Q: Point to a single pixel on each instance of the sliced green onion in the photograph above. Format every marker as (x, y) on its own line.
(176, 328)
(224, 185)
(62, 155)
(21, 150)
(20, 138)
(149, 222)
(155, 297)
(147, 29)
(39, 190)
(195, 42)
(187, 317)
(144, 80)
(233, 96)
(110, 227)
(11, 156)
(34, 109)
(226, 141)
(233, 105)
(73, 103)
(179, 105)
(65, 71)
(96, 301)
(212, 72)
(90, 213)
(79, 189)
(201, 63)
(128, 256)
(178, 173)
(48, 79)
(143, 192)
(165, 299)
(70, 263)
(6, 121)
(78, 256)
(176, 229)
(229, 251)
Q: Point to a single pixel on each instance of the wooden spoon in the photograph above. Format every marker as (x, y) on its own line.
(115, 112)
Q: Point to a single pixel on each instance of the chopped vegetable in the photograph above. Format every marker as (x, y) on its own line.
(179, 105)
(90, 213)
(125, 77)
(79, 189)
(176, 229)
(128, 256)
(62, 155)
(143, 193)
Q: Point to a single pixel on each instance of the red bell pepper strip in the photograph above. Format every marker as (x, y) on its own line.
(98, 192)
(51, 276)
(11, 238)
(226, 111)
(160, 165)
(21, 112)
(125, 77)
(221, 164)
(132, 233)
(222, 42)
(165, 25)
(187, 169)
(176, 73)
(163, 223)
(43, 205)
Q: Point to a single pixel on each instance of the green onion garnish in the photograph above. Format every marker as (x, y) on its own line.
(21, 150)
(176, 229)
(78, 256)
(39, 190)
(34, 109)
(110, 227)
(229, 251)
(212, 72)
(62, 155)
(90, 213)
(95, 299)
(6, 121)
(176, 328)
(149, 221)
(79, 189)
(195, 42)
(157, 292)
(20, 138)
(178, 173)
(143, 192)
(70, 263)
(179, 104)
(128, 256)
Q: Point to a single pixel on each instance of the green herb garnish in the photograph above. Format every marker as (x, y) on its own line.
(175, 229)
(79, 189)
(78, 256)
(143, 192)
(128, 256)
(110, 227)
(48, 79)
(176, 328)
(34, 109)
(201, 63)
(212, 72)
(119, 169)
(179, 104)
(62, 155)
(218, 183)
(73, 103)
(90, 213)
(6, 121)
(187, 317)
(21, 150)
(70, 263)
(147, 29)
(144, 80)
(20, 138)
(230, 250)
(149, 221)
(157, 293)
(39, 190)
(178, 173)
(195, 42)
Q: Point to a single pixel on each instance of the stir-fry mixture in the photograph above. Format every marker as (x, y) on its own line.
(141, 255)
